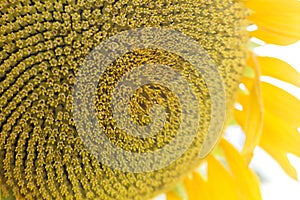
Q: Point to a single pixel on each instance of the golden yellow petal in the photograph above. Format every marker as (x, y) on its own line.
(284, 163)
(247, 182)
(278, 139)
(273, 37)
(281, 104)
(236, 183)
(171, 195)
(277, 22)
(250, 118)
(279, 69)
(220, 183)
(280, 135)
(272, 6)
(196, 187)
(284, 25)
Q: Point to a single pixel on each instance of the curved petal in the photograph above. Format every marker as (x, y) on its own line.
(246, 180)
(279, 140)
(220, 183)
(278, 22)
(272, 37)
(196, 187)
(171, 195)
(251, 117)
(279, 69)
(280, 135)
(281, 104)
(237, 182)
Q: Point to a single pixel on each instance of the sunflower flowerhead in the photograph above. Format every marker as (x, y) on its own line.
(44, 44)
(133, 70)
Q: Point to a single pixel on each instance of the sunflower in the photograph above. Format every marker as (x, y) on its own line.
(45, 45)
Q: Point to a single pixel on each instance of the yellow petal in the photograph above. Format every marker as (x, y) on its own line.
(246, 180)
(196, 187)
(171, 195)
(220, 183)
(278, 69)
(277, 22)
(280, 135)
(283, 29)
(273, 37)
(278, 139)
(281, 104)
(272, 6)
(250, 118)
(236, 183)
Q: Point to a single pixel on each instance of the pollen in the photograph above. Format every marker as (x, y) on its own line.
(43, 43)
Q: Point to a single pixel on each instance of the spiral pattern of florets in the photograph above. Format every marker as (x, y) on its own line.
(42, 45)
